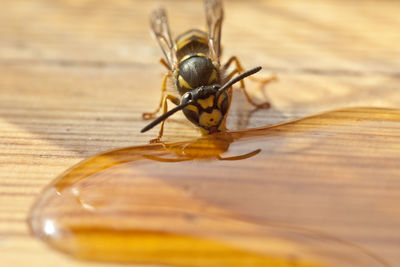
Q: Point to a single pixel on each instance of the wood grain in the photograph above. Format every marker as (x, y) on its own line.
(76, 75)
(267, 196)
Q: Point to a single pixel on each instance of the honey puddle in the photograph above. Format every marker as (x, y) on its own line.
(246, 198)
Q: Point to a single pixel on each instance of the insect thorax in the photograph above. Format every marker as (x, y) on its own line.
(195, 68)
(194, 71)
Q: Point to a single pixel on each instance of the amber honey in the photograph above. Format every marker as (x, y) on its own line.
(261, 197)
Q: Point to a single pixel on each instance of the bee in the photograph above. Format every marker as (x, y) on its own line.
(193, 63)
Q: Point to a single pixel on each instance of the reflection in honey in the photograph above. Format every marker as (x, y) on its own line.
(247, 198)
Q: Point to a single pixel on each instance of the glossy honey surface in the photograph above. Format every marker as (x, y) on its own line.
(260, 197)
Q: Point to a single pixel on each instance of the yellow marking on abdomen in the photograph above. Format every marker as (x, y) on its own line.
(191, 36)
(191, 55)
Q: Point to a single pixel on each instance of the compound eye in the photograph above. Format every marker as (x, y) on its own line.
(192, 114)
(223, 103)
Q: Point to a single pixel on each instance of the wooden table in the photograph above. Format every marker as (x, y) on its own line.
(76, 76)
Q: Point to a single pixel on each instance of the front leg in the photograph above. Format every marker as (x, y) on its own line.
(151, 115)
(262, 81)
(174, 100)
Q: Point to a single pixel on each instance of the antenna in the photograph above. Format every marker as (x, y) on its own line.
(239, 77)
(164, 116)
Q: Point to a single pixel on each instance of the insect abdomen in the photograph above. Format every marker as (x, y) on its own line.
(192, 41)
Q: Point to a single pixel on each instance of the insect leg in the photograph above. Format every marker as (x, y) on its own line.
(150, 115)
(240, 69)
(261, 81)
(164, 63)
(174, 100)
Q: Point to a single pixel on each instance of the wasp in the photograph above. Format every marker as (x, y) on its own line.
(193, 63)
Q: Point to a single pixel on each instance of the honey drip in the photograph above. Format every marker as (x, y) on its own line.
(235, 199)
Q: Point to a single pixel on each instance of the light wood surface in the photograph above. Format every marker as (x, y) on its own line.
(76, 76)
(302, 193)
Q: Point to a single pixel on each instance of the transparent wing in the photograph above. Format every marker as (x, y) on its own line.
(214, 16)
(160, 29)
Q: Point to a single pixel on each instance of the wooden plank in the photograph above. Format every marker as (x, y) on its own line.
(315, 188)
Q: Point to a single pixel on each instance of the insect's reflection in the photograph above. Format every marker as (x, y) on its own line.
(208, 147)
(211, 147)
